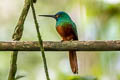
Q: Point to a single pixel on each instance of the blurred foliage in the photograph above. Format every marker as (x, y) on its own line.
(95, 20)
(82, 78)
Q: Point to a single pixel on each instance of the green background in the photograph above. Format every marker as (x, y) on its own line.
(95, 20)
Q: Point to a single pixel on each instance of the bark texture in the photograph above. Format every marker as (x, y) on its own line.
(61, 46)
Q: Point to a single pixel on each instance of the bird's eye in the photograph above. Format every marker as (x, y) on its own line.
(57, 16)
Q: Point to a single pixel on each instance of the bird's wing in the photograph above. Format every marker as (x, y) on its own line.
(73, 30)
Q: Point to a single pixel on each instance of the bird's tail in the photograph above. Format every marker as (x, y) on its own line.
(73, 61)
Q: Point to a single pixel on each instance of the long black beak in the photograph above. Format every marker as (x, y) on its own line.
(53, 16)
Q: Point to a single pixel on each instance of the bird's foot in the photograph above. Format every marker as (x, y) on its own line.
(62, 40)
(71, 40)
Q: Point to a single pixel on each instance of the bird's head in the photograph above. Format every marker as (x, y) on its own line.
(58, 16)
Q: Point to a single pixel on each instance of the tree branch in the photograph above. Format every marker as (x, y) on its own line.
(61, 46)
(16, 37)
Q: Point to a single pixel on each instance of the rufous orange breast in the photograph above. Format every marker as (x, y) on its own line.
(66, 32)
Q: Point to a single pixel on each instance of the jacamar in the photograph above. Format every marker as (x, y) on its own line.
(67, 30)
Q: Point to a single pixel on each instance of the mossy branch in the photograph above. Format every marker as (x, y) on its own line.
(40, 40)
(16, 37)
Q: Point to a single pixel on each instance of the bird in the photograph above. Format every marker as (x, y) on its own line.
(68, 32)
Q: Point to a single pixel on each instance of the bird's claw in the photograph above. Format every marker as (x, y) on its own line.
(62, 40)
